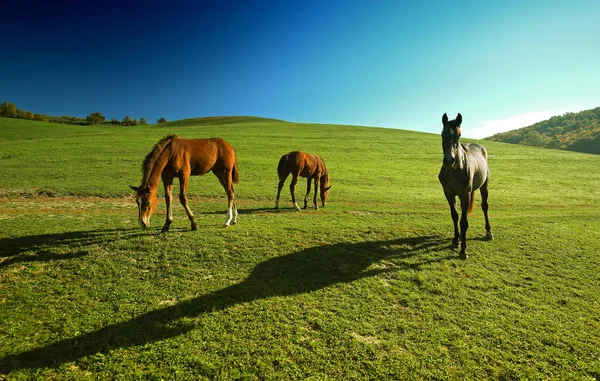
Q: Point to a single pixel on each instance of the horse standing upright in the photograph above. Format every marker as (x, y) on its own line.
(175, 157)
(305, 165)
(465, 170)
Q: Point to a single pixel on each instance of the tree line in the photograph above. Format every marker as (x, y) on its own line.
(10, 110)
(573, 131)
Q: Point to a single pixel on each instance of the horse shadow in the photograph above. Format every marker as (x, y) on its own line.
(36, 248)
(300, 272)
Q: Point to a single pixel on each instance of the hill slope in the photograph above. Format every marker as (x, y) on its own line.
(217, 121)
(578, 131)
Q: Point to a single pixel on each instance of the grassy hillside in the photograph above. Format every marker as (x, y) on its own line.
(578, 131)
(219, 120)
(364, 288)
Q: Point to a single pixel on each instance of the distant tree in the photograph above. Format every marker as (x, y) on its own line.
(161, 120)
(30, 115)
(21, 114)
(135, 122)
(534, 138)
(127, 121)
(95, 118)
(555, 143)
(143, 121)
(40, 117)
(8, 110)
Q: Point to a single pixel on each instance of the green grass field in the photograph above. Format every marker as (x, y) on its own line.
(364, 288)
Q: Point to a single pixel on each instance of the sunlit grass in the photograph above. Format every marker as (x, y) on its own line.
(365, 288)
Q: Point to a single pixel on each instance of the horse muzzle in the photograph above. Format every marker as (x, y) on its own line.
(144, 223)
(449, 161)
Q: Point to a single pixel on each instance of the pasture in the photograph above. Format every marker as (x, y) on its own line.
(364, 288)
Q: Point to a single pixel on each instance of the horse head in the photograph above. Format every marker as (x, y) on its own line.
(147, 201)
(450, 137)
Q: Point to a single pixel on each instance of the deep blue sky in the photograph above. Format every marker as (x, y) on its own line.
(398, 64)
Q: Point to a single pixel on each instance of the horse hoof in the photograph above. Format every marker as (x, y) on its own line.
(463, 255)
(164, 230)
(454, 245)
(194, 227)
(489, 236)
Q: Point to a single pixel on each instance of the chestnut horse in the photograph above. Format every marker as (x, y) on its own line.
(305, 165)
(175, 157)
(465, 169)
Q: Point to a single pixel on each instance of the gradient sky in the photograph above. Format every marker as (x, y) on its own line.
(398, 64)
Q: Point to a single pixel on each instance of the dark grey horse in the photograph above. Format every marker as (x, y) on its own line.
(465, 170)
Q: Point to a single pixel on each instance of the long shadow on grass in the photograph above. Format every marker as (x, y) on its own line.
(264, 210)
(41, 248)
(301, 272)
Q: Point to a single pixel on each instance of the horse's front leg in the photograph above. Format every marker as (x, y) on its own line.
(464, 224)
(293, 190)
(308, 181)
(183, 184)
(452, 202)
(316, 191)
(168, 184)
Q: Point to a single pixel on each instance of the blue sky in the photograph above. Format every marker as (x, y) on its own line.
(397, 64)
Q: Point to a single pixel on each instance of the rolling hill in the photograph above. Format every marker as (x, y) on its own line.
(578, 131)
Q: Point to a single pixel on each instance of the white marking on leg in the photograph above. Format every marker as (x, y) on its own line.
(229, 216)
(296, 205)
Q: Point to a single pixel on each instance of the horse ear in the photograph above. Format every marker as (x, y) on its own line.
(134, 188)
(444, 118)
(458, 119)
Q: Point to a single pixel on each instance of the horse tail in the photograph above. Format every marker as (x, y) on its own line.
(235, 173)
(472, 203)
(281, 167)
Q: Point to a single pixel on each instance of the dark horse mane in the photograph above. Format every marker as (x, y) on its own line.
(149, 160)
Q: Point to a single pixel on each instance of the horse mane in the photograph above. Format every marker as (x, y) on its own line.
(149, 160)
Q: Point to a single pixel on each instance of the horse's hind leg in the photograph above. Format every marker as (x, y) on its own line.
(183, 184)
(227, 183)
(484, 206)
(308, 181)
(279, 187)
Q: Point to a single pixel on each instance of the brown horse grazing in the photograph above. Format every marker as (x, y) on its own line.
(305, 165)
(465, 170)
(175, 157)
